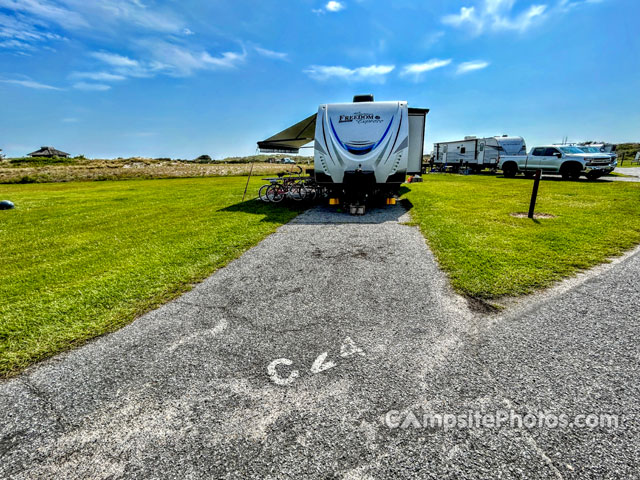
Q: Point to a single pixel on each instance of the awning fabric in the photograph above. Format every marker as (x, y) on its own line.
(291, 139)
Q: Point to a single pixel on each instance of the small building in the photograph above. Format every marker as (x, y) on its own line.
(48, 152)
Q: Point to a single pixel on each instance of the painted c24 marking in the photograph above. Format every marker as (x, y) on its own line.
(347, 349)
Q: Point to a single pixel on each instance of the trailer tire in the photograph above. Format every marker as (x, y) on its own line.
(529, 174)
(509, 170)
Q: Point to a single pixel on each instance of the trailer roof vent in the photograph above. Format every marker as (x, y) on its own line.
(470, 137)
(363, 98)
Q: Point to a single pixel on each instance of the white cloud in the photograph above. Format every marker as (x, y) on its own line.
(131, 12)
(168, 58)
(521, 22)
(226, 60)
(271, 53)
(372, 72)
(566, 5)
(47, 10)
(33, 21)
(77, 14)
(334, 6)
(124, 66)
(115, 60)
(495, 15)
(419, 68)
(91, 87)
(466, 15)
(495, 6)
(13, 44)
(99, 76)
(31, 84)
(180, 61)
(331, 6)
(142, 27)
(20, 35)
(467, 67)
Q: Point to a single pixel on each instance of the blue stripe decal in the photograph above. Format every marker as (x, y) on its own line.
(336, 135)
(385, 134)
(355, 148)
(351, 147)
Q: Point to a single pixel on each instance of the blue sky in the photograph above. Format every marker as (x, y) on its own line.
(181, 78)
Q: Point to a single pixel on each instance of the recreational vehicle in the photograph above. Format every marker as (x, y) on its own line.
(476, 153)
(362, 150)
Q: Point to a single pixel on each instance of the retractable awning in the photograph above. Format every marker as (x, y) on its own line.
(291, 139)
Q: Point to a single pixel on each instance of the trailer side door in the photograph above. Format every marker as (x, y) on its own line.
(481, 150)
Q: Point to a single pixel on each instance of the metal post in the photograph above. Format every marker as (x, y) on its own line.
(247, 185)
(534, 193)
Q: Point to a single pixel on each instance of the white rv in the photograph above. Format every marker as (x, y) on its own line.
(476, 153)
(362, 149)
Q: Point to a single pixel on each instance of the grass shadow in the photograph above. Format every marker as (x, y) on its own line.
(271, 212)
(406, 203)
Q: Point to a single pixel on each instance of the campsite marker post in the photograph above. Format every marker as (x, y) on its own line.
(534, 193)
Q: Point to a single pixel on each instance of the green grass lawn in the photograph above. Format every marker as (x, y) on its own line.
(488, 253)
(82, 259)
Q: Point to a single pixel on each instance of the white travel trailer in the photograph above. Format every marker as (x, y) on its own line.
(362, 150)
(476, 153)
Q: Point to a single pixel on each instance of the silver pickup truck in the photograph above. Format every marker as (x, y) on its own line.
(568, 161)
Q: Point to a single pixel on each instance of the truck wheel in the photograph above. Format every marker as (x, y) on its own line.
(593, 175)
(509, 170)
(571, 171)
